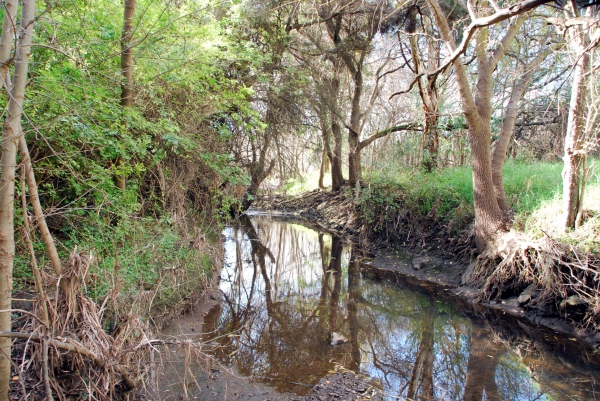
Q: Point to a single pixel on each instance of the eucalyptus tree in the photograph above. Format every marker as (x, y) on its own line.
(527, 54)
(423, 58)
(351, 27)
(490, 220)
(580, 28)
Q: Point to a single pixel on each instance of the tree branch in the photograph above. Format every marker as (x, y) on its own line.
(382, 133)
(475, 25)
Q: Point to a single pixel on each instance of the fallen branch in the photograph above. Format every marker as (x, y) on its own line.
(77, 349)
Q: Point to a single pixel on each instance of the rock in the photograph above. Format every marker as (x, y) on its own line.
(419, 263)
(523, 299)
(337, 339)
(467, 273)
(573, 300)
(526, 295)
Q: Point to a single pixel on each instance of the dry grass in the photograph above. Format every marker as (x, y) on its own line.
(74, 356)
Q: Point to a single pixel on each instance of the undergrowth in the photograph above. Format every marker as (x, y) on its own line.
(445, 198)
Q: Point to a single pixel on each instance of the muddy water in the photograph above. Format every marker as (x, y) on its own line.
(286, 289)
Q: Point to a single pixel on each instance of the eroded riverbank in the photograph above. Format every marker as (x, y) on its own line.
(285, 289)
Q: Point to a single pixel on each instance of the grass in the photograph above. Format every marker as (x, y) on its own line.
(527, 185)
(129, 256)
(533, 189)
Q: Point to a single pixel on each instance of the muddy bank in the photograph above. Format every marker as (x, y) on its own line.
(428, 251)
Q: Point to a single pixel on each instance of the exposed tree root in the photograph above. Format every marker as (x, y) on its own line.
(75, 352)
(561, 277)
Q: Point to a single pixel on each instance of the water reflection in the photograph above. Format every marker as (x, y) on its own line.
(287, 288)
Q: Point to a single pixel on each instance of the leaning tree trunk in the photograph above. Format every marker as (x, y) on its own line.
(10, 142)
(508, 125)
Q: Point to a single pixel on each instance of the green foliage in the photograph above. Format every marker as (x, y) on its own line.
(446, 197)
(171, 145)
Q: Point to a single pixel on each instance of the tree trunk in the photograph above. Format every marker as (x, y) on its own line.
(8, 161)
(430, 141)
(427, 90)
(334, 156)
(573, 155)
(126, 72)
(508, 125)
(489, 219)
(324, 168)
(337, 178)
(354, 165)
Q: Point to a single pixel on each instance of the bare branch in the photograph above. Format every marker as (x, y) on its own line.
(499, 16)
(382, 133)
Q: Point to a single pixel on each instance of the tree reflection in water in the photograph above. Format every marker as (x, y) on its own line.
(286, 288)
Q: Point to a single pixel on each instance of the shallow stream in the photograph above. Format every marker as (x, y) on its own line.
(287, 288)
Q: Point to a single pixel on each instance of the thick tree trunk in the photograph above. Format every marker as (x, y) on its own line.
(10, 141)
(489, 219)
(126, 72)
(573, 155)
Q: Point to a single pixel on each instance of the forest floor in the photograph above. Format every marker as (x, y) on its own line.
(423, 257)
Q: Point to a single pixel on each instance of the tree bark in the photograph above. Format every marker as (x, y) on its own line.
(328, 130)
(126, 72)
(573, 154)
(508, 125)
(10, 141)
(489, 218)
(337, 178)
(354, 164)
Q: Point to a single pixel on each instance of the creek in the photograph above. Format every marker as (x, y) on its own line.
(286, 289)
